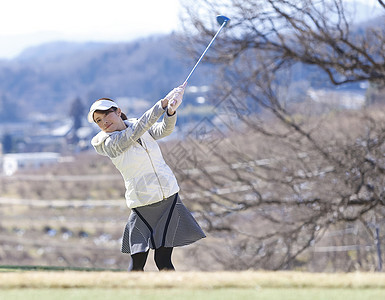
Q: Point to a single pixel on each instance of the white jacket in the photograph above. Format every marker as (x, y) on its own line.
(147, 177)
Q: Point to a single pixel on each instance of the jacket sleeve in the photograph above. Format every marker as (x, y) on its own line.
(162, 129)
(115, 143)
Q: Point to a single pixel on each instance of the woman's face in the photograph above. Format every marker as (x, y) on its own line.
(110, 120)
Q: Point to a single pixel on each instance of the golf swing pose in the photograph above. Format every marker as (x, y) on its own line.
(158, 218)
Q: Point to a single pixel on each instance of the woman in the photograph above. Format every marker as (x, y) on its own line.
(158, 218)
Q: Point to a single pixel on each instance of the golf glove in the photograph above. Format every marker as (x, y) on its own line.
(175, 98)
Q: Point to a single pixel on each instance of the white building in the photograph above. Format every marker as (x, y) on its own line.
(17, 161)
(338, 99)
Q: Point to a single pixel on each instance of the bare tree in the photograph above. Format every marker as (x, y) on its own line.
(289, 169)
(321, 33)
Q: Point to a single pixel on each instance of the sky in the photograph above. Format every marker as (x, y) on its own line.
(25, 23)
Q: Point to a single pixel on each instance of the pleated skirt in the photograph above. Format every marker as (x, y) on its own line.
(167, 223)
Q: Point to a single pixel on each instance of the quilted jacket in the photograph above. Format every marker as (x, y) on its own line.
(136, 154)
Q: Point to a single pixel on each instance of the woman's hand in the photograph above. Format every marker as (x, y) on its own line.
(168, 98)
(175, 98)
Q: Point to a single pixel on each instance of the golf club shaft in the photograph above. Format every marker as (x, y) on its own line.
(204, 52)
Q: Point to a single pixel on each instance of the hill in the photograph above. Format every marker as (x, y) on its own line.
(48, 77)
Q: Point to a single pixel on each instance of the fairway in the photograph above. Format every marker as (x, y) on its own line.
(15, 284)
(194, 294)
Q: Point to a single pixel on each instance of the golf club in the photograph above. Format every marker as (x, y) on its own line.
(222, 20)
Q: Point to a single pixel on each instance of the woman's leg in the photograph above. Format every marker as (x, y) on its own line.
(162, 258)
(138, 261)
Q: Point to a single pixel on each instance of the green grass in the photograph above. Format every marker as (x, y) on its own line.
(58, 283)
(188, 294)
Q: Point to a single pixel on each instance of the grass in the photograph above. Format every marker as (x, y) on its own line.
(189, 280)
(185, 294)
(5, 268)
(73, 284)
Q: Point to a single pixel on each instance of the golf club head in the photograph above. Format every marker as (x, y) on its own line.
(223, 19)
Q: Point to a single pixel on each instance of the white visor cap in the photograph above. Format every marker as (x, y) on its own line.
(100, 105)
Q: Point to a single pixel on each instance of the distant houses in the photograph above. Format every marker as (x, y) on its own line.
(338, 99)
(17, 161)
(36, 144)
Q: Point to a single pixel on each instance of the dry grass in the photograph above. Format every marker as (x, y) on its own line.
(190, 280)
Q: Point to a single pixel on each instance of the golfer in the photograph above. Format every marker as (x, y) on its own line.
(158, 219)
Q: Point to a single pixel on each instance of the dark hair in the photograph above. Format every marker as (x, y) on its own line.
(122, 115)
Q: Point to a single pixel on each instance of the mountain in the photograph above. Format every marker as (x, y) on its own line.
(47, 78)
(55, 51)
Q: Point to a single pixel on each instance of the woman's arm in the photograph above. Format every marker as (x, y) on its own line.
(165, 128)
(115, 143)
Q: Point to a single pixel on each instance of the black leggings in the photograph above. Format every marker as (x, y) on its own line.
(162, 257)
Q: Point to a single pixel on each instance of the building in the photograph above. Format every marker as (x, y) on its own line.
(17, 161)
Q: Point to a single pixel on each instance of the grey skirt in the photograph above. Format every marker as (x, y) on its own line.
(167, 223)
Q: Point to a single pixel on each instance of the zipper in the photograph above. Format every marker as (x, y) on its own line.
(144, 146)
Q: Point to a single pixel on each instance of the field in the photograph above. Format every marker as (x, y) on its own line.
(15, 284)
(84, 234)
